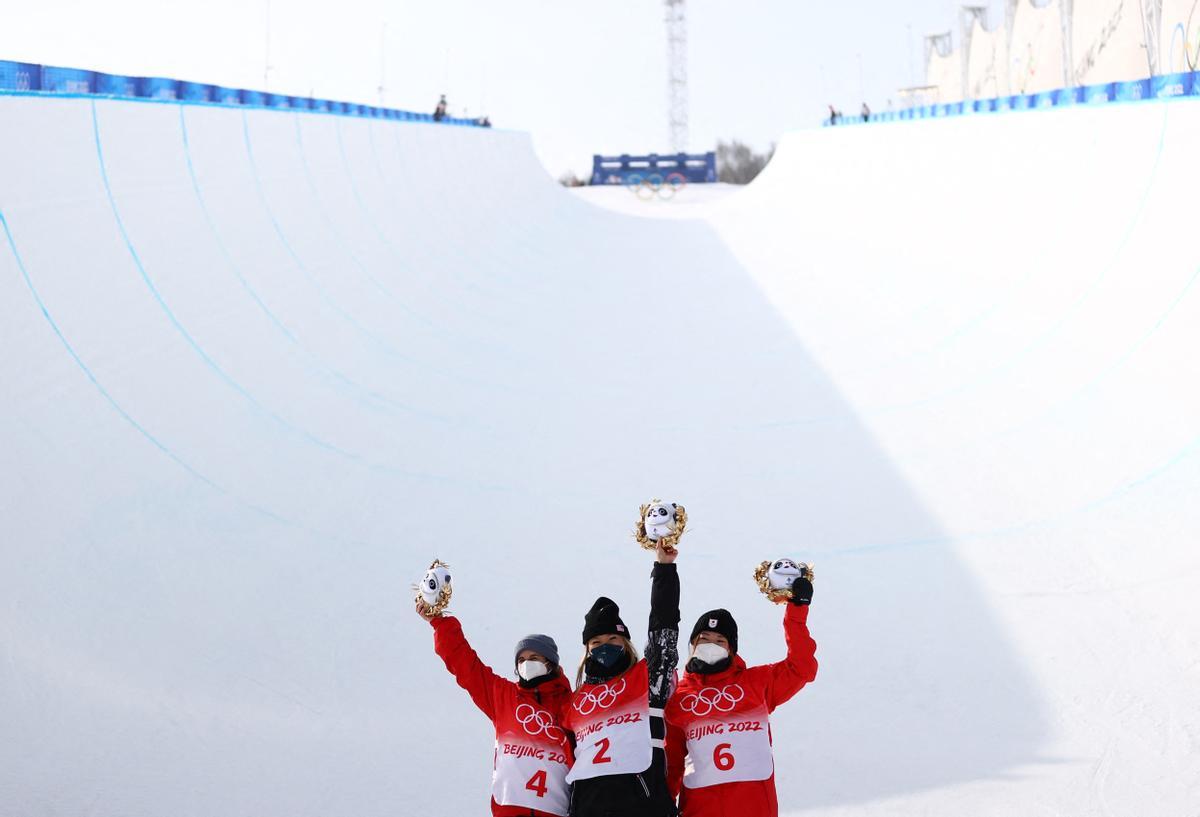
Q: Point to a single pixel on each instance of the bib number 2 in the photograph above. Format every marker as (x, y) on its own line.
(723, 758)
(602, 751)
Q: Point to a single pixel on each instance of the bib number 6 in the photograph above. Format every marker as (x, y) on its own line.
(722, 757)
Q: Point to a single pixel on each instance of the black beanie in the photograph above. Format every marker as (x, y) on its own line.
(717, 621)
(603, 619)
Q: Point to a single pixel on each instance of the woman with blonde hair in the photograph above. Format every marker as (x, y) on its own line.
(616, 711)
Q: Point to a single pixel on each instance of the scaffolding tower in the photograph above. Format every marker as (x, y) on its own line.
(677, 79)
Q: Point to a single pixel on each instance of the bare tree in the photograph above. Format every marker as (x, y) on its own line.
(737, 162)
(569, 179)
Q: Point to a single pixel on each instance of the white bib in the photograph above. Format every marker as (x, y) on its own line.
(725, 745)
(611, 723)
(531, 763)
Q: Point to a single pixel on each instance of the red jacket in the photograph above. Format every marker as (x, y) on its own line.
(504, 702)
(717, 725)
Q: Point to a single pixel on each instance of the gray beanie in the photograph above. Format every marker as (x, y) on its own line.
(541, 644)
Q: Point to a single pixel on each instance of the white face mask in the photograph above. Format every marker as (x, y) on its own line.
(530, 669)
(710, 653)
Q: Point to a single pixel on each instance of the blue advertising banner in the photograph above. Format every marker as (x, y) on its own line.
(226, 96)
(1097, 94)
(1132, 91)
(158, 88)
(195, 92)
(20, 76)
(32, 78)
(1066, 96)
(671, 169)
(1160, 87)
(116, 85)
(66, 80)
(1169, 85)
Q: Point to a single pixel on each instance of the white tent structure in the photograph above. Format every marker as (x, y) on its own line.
(1108, 42)
(261, 366)
(987, 61)
(1179, 40)
(944, 68)
(1037, 58)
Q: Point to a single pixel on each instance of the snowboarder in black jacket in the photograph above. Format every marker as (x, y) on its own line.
(616, 712)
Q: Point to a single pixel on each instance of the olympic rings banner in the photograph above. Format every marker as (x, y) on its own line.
(711, 699)
(655, 172)
(600, 698)
(31, 78)
(1165, 86)
(538, 722)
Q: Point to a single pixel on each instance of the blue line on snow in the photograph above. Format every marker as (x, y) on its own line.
(212, 364)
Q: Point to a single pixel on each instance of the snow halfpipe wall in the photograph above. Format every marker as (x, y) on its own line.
(260, 367)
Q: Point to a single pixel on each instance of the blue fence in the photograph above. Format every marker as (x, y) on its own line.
(1161, 87)
(31, 78)
(694, 168)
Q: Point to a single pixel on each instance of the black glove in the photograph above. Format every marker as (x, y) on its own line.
(801, 591)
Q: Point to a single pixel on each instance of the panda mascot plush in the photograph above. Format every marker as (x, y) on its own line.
(434, 590)
(774, 578)
(660, 522)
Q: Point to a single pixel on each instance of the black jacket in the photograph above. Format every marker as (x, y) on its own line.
(645, 794)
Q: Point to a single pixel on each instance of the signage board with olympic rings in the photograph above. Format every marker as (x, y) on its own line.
(655, 172)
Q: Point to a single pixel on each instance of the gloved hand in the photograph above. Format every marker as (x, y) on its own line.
(801, 591)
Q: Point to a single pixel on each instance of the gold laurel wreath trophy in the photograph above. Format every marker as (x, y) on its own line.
(433, 592)
(769, 580)
(670, 540)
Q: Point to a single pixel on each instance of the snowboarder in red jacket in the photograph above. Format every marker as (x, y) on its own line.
(718, 730)
(532, 753)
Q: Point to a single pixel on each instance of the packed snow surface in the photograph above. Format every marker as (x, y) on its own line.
(259, 368)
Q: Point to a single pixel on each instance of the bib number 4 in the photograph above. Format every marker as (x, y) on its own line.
(537, 783)
(723, 758)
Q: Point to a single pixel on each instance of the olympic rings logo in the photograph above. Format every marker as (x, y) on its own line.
(538, 722)
(711, 698)
(589, 702)
(648, 187)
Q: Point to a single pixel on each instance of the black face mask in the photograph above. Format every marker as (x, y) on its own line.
(606, 661)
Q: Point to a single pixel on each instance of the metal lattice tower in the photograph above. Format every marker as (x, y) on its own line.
(677, 80)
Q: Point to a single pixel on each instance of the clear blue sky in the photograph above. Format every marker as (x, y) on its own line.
(582, 77)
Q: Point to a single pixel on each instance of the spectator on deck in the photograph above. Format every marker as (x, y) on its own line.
(833, 115)
(439, 113)
(866, 113)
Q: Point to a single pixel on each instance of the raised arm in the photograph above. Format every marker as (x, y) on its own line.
(662, 645)
(471, 673)
(800, 666)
